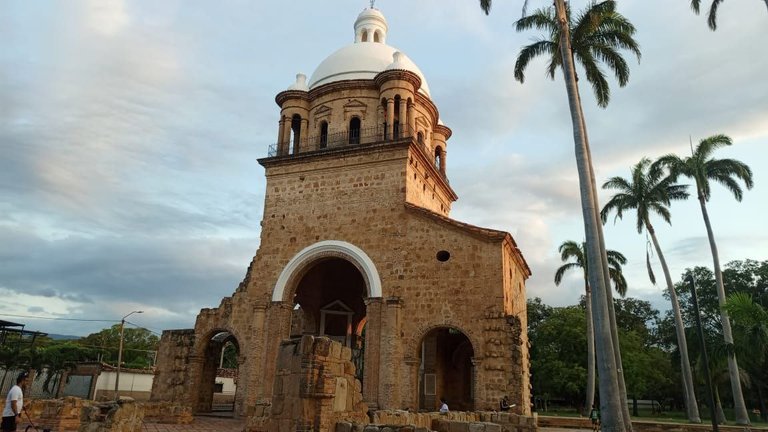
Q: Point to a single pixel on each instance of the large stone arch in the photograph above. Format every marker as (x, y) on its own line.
(413, 344)
(302, 261)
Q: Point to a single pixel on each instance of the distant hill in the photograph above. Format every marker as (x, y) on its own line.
(62, 337)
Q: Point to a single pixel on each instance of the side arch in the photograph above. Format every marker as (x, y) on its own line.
(326, 248)
(413, 343)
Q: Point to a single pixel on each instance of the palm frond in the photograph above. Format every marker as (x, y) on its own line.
(528, 53)
(651, 276)
(712, 18)
(695, 5)
(563, 269)
(485, 5)
(596, 77)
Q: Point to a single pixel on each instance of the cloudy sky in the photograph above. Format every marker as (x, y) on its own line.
(129, 133)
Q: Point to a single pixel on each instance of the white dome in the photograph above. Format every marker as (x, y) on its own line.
(362, 61)
(367, 57)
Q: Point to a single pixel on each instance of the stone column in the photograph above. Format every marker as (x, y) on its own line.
(286, 136)
(252, 374)
(389, 387)
(372, 350)
(410, 387)
(278, 322)
(380, 119)
(191, 397)
(477, 399)
(303, 138)
(390, 118)
(412, 119)
(403, 117)
(443, 161)
(280, 135)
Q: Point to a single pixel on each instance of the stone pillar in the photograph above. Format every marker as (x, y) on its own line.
(390, 118)
(477, 398)
(195, 378)
(443, 161)
(280, 135)
(410, 387)
(389, 387)
(380, 120)
(256, 374)
(372, 350)
(403, 116)
(278, 322)
(286, 136)
(303, 138)
(412, 119)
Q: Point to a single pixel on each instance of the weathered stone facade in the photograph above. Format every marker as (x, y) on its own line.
(357, 245)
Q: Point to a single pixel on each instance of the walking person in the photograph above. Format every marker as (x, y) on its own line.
(14, 404)
(594, 415)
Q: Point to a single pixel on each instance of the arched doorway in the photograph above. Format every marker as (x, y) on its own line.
(220, 372)
(330, 301)
(446, 370)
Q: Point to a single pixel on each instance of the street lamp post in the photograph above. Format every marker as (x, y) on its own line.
(120, 353)
(705, 357)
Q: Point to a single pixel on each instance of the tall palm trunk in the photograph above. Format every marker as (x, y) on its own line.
(590, 352)
(610, 402)
(739, 408)
(606, 275)
(692, 407)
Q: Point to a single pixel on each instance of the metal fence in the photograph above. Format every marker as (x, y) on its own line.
(75, 385)
(336, 140)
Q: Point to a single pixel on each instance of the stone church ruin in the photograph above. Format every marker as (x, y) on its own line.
(360, 267)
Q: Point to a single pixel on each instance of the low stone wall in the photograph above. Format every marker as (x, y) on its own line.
(124, 415)
(60, 415)
(455, 421)
(167, 412)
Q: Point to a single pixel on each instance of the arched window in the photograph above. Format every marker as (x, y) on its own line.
(323, 134)
(439, 159)
(354, 130)
(295, 133)
(365, 35)
(376, 36)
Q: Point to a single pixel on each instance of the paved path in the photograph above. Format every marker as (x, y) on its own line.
(200, 424)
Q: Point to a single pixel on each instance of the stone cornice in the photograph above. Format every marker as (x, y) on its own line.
(444, 130)
(286, 95)
(398, 74)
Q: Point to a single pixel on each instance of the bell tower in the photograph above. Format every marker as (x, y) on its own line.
(368, 99)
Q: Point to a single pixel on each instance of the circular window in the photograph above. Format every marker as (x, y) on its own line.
(443, 256)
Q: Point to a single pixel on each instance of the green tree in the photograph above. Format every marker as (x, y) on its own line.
(712, 15)
(750, 323)
(138, 345)
(606, 21)
(570, 250)
(55, 359)
(703, 168)
(557, 355)
(648, 191)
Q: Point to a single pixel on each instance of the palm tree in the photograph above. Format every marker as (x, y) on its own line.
(570, 249)
(702, 167)
(597, 34)
(712, 16)
(601, 33)
(649, 191)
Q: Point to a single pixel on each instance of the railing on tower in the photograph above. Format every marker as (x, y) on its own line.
(337, 140)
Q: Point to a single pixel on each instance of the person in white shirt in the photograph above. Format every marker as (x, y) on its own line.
(14, 403)
(444, 406)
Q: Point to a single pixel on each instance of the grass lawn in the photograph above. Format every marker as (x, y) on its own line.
(668, 416)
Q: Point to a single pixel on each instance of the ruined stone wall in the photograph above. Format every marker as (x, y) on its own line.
(172, 372)
(315, 388)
